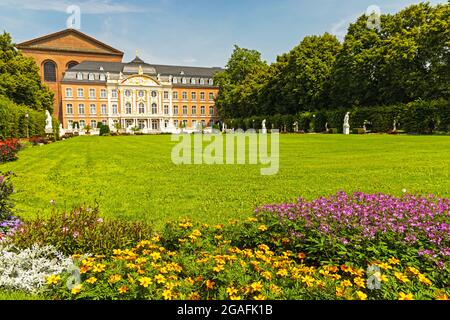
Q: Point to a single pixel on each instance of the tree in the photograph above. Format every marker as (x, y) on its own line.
(19, 78)
(240, 82)
(407, 59)
(302, 77)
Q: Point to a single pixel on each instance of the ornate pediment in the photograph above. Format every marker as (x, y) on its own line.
(140, 80)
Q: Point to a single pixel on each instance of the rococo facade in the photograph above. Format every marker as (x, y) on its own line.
(92, 85)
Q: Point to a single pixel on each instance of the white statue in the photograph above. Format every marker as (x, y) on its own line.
(395, 125)
(296, 126)
(48, 122)
(326, 127)
(347, 123)
(264, 129)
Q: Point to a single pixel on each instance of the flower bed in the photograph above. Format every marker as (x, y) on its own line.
(358, 246)
(9, 149)
(204, 268)
(360, 227)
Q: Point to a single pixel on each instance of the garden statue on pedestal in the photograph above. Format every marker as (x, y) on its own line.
(48, 123)
(296, 126)
(347, 123)
(264, 129)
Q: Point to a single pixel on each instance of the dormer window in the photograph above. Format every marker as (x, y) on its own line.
(102, 77)
(182, 72)
(202, 81)
(211, 82)
(175, 80)
(91, 77)
(79, 76)
(184, 80)
(193, 81)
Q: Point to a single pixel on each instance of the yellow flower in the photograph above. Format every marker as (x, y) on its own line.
(442, 297)
(380, 277)
(189, 281)
(160, 279)
(231, 291)
(347, 283)
(123, 289)
(114, 278)
(155, 256)
(309, 281)
(361, 295)
(145, 282)
(267, 275)
(425, 280)
(264, 247)
(84, 269)
(250, 220)
(156, 238)
(282, 273)
(99, 268)
(117, 252)
(53, 279)
(185, 225)
(400, 276)
(130, 279)
(340, 291)
(194, 296)
(263, 228)
(414, 271)
(404, 296)
(77, 289)
(167, 295)
(360, 282)
(394, 261)
(91, 280)
(235, 298)
(218, 237)
(141, 260)
(218, 268)
(256, 286)
(260, 297)
(385, 266)
(210, 284)
(275, 289)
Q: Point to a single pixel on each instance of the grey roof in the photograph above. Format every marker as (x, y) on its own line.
(176, 71)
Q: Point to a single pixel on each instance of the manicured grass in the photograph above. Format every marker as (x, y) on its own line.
(134, 178)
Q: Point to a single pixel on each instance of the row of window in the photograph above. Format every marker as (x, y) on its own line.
(92, 77)
(193, 81)
(92, 93)
(141, 109)
(175, 80)
(140, 93)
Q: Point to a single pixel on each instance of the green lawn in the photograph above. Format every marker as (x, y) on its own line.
(133, 177)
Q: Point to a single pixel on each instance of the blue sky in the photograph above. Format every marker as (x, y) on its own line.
(191, 32)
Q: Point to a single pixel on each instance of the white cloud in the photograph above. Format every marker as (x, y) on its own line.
(87, 6)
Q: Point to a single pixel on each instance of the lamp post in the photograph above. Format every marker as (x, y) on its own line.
(26, 117)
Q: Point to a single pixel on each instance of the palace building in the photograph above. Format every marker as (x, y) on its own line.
(92, 85)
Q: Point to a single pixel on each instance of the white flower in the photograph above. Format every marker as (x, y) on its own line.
(26, 270)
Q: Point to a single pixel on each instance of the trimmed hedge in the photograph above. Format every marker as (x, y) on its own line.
(13, 123)
(423, 117)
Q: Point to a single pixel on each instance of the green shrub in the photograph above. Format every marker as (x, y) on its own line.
(14, 123)
(104, 130)
(359, 131)
(81, 231)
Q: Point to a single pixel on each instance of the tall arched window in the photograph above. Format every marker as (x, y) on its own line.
(50, 71)
(154, 108)
(141, 108)
(72, 64)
